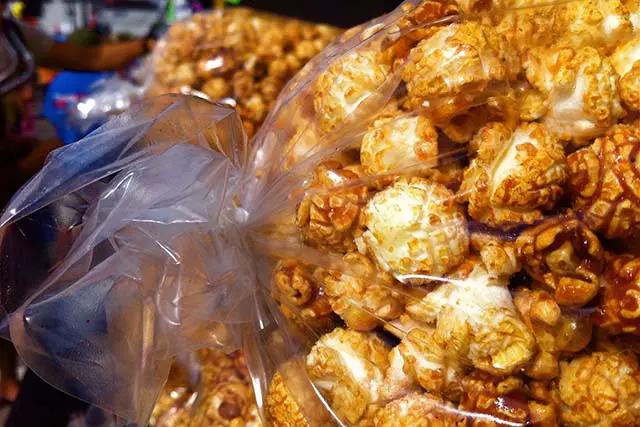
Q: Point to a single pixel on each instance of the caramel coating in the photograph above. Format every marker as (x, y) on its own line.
(400, 143)
(566, 256)
(348, 82)
(418, 410)
(348, 367)
(557, 333)
(300, 291)
(600, 389)
(515, 175)
(506, 402)
(362, 296)
(580, 89)
(414, 230)
(619, 311)
(449, 86)
(605, 183)
(332, 219)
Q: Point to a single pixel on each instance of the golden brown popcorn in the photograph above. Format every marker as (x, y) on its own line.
(498, 254)
(216, 88)
(400, 143)
(418, 410)
(602, 24)
(626, 63)
(515, 175)
(415, 230)
(566, 256)
(619, 311)
(600, 389)
(462, 127)
(348, 368)
(580, 88)
(605, 184)
(300, 291)
(475, 320)
(229, 403)
(362, 296)
(282, 409)
(528, 24)
(492, 401)
(301, 145)
(346, 84)
(557, 333)
(450, 70)
(424, 359)
(330, 217)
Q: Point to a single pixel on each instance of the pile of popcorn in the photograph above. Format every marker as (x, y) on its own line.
(223, 397)
(476, 202)
(238, 56)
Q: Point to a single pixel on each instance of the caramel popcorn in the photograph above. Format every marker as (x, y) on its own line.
(604, 182)
(626, 63)
(452, 68)
(566, 256)
(281, 406)
(361, 298)
(557, 333)
(414, 230)
(495, 401)
(399, 143)
(418, 410)
(475, 321)
(580, 87)
(348, 368)
(600, 389)
(619, 311)
(346, 84)
(299, 288)
(516, 174)
(332, 219)
(239, 54)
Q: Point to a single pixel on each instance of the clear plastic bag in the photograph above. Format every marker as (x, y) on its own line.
(238, 56)
(437, 224)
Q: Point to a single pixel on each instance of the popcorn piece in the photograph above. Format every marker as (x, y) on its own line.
(332, 218)
(605, 184)
(556, 332)
(298, 288)
(515, 175)
(360, 296)
(216, 88)
(475, 320)
(626, 63)
(399, 143)
(527, 25)
(348, 368)
(596, 23)
(282, 409)
(566, 256)
(346, 84)
(492, 401)
(301, 145)
(619, 312)
(497, 254)
(600, 389)
(580, 87)
(452, 68)
(415, 230)
(418, 410)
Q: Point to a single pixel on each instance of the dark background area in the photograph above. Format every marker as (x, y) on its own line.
(341, 13)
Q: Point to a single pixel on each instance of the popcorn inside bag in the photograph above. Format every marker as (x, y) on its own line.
(456, 237)
(436, 225)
